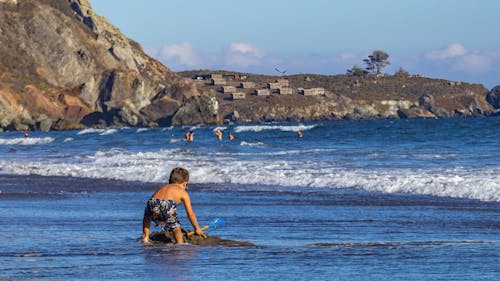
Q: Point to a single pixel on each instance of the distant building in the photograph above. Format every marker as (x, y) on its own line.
(215, 76)
(313, 92)
(228, 89)
(247, 85)
(262, 92)
(280, 83)
(285, 91)
(273, 85)
(283, 83)
(218, 81)
(238, 95)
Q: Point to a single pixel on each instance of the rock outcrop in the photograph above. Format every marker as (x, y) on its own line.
(493, 98)
(62, 66)
(352, 98)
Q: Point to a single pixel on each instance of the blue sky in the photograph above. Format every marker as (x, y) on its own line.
(450, 39)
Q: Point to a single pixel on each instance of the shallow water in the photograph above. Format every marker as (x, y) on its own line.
(299, 234)
(403, 199)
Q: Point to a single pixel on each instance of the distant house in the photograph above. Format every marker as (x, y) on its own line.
(285, 91)
(273, 85)
(238, 95)
(228, 89)
(313, 92)
(215, 76)
(283, 83)
(218, 81)
(262, 92)
(247, 85)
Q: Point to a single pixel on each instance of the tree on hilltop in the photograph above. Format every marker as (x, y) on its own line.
(357, 71)
(376, 61)
(402, 73)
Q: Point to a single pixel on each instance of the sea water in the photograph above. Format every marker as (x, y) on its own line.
(360, 200)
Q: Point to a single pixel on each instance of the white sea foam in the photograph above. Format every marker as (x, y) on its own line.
(482, 184)
(167, 129)
(90, 131)
(68, 139)
(140, 130)
(259, 128)
(258, 144)
(219, 128)
(26, 141)
(108, 132)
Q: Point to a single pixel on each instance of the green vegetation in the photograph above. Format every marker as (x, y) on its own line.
(376, 61)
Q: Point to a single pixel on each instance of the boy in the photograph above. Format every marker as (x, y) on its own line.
(162, 207)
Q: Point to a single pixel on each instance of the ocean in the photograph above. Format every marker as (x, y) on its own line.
(349, 200)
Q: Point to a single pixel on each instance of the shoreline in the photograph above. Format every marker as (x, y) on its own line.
(253, 123)
(37, 185)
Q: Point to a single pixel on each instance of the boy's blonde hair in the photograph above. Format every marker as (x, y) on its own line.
(179, 175)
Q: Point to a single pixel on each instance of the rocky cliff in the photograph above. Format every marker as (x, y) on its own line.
(62, 67)
(352, 97)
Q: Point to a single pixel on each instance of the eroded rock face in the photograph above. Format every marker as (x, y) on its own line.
(54, 48)
(493, 97)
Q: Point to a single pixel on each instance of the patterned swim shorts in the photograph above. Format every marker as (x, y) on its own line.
(163, 213)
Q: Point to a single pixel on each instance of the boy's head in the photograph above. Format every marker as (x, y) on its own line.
(179, 175)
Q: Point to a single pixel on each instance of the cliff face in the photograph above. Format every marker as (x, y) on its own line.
(352, 97)
(62, 66)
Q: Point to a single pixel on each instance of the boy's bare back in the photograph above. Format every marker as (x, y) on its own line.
(171, 191)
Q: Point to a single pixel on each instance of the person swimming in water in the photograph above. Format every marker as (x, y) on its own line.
(218, 133)
(230, 136)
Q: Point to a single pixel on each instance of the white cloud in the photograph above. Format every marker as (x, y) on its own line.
(452, 51)
(242, 54)
(474, 63)
(348, 56)
(181, 53)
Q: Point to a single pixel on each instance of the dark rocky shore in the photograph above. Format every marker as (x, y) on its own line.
(62, 66)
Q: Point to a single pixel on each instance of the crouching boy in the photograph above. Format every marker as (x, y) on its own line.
(162, 207)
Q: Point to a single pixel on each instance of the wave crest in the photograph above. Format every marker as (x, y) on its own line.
(26, 141)
(481, 184)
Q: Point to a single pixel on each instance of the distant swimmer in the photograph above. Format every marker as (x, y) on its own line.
(26, 135)
(230, 136)
(299, 133)
(191, 136)
(218, 133)
(186, 135)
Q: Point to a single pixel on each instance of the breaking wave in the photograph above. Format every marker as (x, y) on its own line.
(26, 141)
(90, 131)
(481, 184)
(108, 132)
(259, 128)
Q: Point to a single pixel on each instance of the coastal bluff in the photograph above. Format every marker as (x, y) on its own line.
(249, 98)
(62, 66)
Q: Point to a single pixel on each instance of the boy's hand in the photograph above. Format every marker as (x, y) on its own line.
(145, 240)
(199, 232)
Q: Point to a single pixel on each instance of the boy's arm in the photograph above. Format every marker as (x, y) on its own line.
(191, 215)
(146, 224)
